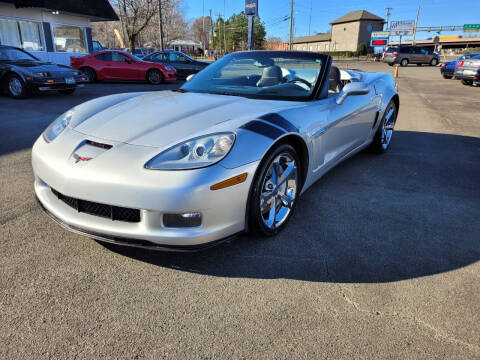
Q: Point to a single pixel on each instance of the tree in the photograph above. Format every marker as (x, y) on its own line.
(136, 15)
(174, 24)
(200, 29)
(272, 43)
(236, 31)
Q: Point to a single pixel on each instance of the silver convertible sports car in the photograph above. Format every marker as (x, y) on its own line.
(230, 151)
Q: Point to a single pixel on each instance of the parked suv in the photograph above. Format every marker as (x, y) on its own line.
(405, 55)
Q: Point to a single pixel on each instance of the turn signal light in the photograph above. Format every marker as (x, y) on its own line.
(238, 179)
(50, 81)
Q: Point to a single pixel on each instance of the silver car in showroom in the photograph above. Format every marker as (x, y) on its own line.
(228, 152)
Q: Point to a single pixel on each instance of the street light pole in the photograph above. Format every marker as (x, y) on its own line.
(291, 26)
(415, 28)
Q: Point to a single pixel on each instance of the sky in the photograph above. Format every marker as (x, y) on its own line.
(274, 12)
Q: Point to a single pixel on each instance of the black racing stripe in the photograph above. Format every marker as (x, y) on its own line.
(279, 121)
(264, 129)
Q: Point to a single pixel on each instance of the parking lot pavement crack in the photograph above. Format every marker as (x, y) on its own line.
(442, 335)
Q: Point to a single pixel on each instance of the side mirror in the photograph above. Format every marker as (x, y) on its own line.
(129, 61)
(190, 77)
(353, 88)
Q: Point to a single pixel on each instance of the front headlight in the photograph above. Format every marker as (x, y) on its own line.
(168, 68)
(43, 74)
(57, 126)
(195, 153)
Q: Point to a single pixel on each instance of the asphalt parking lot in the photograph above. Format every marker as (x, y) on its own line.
(380, 260)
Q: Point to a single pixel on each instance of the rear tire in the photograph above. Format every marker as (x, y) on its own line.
(446, 76)
(467, 82)
(383, 136)
(404, 62)
(154, 76)
(91, 74)
(419, 64)
(274, 192)
(16, 87)
(67, 92)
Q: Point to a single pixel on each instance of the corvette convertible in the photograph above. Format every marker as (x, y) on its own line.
(228, 152)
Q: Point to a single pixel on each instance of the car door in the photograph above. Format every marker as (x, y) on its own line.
(121, 67)
(343, 127)
(181, 64)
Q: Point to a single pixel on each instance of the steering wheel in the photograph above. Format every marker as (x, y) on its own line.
(297, 79)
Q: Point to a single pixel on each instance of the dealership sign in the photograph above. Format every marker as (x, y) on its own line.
(404, 27)
(251, 7)
(380, 34)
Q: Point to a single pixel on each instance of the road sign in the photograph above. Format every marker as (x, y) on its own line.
(471, 27)
(380, 34)
(404, 27)
(251, 7)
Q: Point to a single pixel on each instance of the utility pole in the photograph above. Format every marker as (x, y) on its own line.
(291, 26)
(211, 31)
(224, 33)
(387, 17)
(160, 23)
(310, 20)
(203, 26)
(415, 28)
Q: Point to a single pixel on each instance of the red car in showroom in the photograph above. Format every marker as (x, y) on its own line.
(119, 65)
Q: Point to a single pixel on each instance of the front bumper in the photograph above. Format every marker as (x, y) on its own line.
(107, 180)
(169, 76)
(56, 83)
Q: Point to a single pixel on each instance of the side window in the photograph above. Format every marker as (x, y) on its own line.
(174, 57)
(104, 57)
(118, 57)
(161, 57)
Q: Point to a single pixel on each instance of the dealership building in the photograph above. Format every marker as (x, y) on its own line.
(52, 30)
(346, 34)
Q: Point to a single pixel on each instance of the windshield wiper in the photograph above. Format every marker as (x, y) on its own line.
(180, 90)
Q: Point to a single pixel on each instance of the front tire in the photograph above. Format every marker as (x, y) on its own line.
(154, 77)
(434, 62)
(467, 82)
(16, 87)
(446, 76)
(383, 136)
(275, 189)
(91, 74)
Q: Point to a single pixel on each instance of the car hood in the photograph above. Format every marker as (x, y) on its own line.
(158, 119)
(38, 66)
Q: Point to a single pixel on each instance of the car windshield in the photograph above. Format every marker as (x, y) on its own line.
(263, 74)
(15, 55)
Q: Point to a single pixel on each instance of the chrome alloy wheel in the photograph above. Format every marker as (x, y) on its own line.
(15, 86)
(279, 190)
(388, 125)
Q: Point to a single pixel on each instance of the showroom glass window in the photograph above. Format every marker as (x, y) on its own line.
(22, 34)
(69, 38)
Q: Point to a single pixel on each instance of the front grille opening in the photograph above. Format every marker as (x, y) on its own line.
(101, 210)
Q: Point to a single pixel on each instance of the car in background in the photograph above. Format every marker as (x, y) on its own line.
(447, 68)
(183, 63)
(21, 73)
(119, 65)
(468, 71)
(97, 46)
(406, 54)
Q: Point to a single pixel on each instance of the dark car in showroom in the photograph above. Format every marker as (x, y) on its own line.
(22, 74)
(183, 63)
